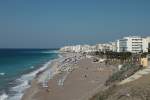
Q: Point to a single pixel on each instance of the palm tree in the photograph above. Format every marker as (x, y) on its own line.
(149, 50)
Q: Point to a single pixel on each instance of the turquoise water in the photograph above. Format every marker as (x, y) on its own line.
(16, 62)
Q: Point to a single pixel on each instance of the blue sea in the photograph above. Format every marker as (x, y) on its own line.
(18, 66)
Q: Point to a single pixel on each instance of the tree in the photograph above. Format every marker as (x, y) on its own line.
(149, 50)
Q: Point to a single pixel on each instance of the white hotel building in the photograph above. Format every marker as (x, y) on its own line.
(134, 44)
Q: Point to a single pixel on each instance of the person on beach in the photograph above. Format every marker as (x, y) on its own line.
(85, 76)
(100, 67)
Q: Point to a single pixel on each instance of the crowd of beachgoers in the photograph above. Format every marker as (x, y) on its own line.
(67, 63)
(69, 69)
(64, 64)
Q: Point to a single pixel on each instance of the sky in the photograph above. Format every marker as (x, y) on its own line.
(55, 23)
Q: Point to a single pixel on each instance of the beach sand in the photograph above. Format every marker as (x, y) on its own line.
(81, 83)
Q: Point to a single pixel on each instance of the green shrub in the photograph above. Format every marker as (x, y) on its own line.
(126, 71)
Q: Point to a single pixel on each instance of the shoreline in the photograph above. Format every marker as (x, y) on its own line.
(40, 72)
(23, 82)
(69, 74)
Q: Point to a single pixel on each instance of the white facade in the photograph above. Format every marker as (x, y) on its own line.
(107, 47)
(122, 45)
(134, 44)
(87, 48)
(113, 46)
(148, 42)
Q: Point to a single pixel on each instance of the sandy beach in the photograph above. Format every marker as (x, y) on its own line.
(80, 82)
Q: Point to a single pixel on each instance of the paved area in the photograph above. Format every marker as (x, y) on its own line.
(137, 75)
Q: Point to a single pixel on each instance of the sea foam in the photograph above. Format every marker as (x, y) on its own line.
(21, 84)
(24, 83)
(54, 51)
(2, 74)
(4, 96)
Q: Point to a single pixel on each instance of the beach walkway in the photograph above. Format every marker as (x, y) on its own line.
(137, 75)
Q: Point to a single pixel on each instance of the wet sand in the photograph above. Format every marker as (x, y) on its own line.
(86, 79)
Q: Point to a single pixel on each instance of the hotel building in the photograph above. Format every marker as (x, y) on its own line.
(134, 44)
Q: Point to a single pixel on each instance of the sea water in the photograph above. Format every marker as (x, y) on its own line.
(18, 67)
